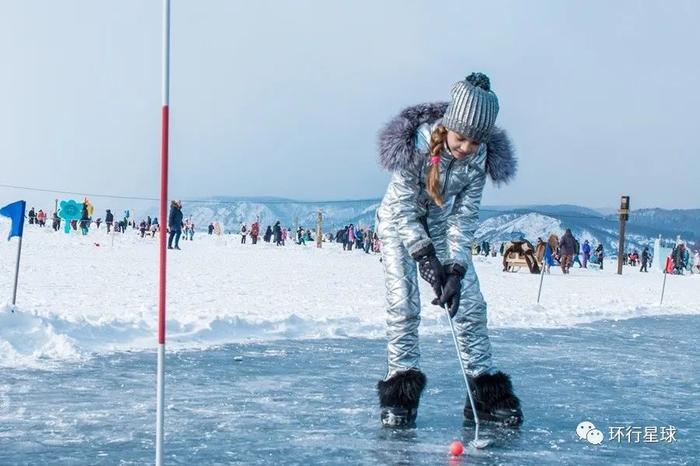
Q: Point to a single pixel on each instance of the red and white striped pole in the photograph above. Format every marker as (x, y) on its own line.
(163, 232)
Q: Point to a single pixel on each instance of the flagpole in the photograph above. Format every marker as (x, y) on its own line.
(15, 211)
(163, 232)
(14, 291)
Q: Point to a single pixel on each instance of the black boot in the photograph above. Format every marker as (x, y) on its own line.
(494, 400)
(399, 397)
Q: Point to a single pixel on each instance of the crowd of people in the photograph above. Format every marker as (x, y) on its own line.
(183, 228)
(681, 260)
(350, 236)
(146, 227)
(363, 239)
(564, 252)
(567, 251)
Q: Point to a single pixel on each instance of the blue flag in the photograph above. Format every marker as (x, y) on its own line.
(16, 212)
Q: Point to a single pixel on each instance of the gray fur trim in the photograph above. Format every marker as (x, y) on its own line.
(397, 149)
(501, 164)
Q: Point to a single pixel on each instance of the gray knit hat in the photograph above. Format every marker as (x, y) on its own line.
(473, 108)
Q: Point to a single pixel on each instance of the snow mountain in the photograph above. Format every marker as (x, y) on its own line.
(231, 212)
(498, 223)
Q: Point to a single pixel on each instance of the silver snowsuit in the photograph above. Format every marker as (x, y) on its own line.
(405, 213)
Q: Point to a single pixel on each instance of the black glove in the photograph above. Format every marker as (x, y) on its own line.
(430, 268)
(452, 289)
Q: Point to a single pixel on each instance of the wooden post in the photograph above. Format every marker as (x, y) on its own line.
(319, 229)
(624, 215)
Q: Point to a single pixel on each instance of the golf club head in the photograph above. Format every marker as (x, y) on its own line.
(480, 444)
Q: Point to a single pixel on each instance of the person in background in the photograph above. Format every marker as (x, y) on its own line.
(342, 237)
(645, 259)
(586, 249)
(187, 224)
(85, 221)
(277, 233)
(368, 240)
(547, 258)
(56, 223)
(600, 254)
(41, 218)
(175, 224)
(244, 233)
(255, 231)
(485, 247)
(376, 243)
(577, 251)
(358, 238)
(109, 220)
(567, 246)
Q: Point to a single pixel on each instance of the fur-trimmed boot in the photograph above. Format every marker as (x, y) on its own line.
(399, 397)
(494, 400)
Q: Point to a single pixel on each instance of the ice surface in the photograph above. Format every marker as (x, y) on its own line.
(314, 402)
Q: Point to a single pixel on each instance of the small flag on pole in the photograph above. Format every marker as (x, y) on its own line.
(16, 212)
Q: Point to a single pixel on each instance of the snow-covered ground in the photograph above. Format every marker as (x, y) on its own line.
(84, 295)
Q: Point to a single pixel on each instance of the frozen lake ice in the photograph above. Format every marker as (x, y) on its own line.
(314, 402)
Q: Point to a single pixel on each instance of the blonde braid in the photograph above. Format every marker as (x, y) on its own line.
(437, 139)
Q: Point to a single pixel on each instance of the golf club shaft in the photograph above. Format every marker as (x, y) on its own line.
(464, 374)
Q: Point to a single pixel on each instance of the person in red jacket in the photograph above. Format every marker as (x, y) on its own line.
(255, 231)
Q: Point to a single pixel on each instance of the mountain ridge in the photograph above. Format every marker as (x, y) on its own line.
(497, 223)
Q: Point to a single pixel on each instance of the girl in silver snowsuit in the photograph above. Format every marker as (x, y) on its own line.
(427, 221)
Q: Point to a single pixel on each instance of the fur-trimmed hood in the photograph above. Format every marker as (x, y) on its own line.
(397, 149)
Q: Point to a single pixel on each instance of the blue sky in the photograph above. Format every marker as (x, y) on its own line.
(286, 98)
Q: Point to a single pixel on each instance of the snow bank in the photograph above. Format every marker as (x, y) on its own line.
(84, 295)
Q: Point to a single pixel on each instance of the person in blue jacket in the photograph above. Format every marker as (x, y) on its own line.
(586, 249)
